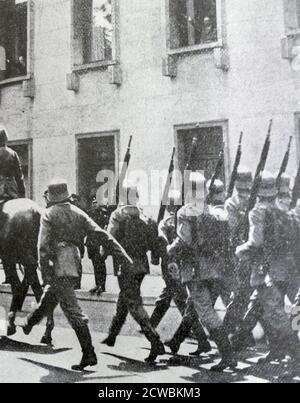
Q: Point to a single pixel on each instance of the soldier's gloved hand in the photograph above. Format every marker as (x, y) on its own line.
(241, 253)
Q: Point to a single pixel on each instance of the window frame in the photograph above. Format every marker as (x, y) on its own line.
(290, 31)
(30, 47)
(98, 134)
(115, 42)
(224, 123)
(28, 143)
(199, 47)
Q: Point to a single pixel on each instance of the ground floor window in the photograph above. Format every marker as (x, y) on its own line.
(95, 153)
(24, 152)
(210, 143)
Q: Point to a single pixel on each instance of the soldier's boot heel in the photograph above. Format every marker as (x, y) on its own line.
(110, 340)
(181, 334)
(89, 359)
(157, 349)
(11, 326)
(173, 346)
(228, 360)
(203, 347)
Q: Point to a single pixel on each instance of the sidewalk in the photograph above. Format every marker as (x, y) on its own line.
(151, 287)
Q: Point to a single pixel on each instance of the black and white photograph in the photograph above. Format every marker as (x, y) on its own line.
(149, 194)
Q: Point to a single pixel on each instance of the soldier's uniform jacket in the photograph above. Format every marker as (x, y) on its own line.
(166, 234)
(196, 242)
(255, 248)
(236, 211)
(137, 234)
(63, 229)
(11, 176)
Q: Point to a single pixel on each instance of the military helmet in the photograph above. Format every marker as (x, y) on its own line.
(284, 185)
(267, 186)
(243, 179)
(218, 186)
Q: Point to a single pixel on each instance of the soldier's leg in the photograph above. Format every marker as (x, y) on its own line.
(99, 271)
(162, 304)
(44, 309)
(65, 294)
(201, 295)
(136, 309)
(16, 296)
(282, 339)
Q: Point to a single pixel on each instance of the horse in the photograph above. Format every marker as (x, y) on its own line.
(19, 230)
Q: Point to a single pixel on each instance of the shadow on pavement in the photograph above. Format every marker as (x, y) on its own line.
(132, 365)
(62, 375)
(7, 344)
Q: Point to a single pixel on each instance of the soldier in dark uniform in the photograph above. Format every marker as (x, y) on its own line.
(269, 270)
(100, 214)
(63, 228)
(138, 235)
(11, 180)
(174, 289)
(198, 249)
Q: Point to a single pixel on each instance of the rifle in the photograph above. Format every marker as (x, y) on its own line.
(188, 167)
(235, 167)
(284, 163)
(162, 208)
(215, 176)
(257, 178)
(260, 167)
(296, 190)
(123, 171)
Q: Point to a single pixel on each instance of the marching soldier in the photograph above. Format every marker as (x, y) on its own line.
(269, 268)
(137, 235)
(100, 214)
(236, 208)
(63, 228)
(198, 249)
(284, 194)
(174, 289)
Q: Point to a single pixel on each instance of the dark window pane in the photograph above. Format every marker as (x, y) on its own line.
(13, 37)
(192, 22)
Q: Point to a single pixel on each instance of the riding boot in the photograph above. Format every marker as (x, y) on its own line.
(181, 334)
(11, 327)
(157, 347)
(227, 357)
(89, 357)
(243, 338)
(203, 343)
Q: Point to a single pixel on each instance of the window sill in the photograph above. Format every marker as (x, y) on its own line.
(93, 66)
(206, 47)
(15, 80)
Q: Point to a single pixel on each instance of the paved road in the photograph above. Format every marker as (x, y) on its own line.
(23, 359)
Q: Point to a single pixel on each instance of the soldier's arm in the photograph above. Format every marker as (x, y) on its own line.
(45, 252)
(256, 232)
(18, 174)
(106, 239)
(233, 214)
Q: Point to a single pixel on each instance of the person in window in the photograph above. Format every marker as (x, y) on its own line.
(11, 176)
(209, 32)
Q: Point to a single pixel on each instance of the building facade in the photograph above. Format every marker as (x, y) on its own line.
(78, 77)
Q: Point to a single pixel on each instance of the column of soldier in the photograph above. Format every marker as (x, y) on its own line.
(243, 249)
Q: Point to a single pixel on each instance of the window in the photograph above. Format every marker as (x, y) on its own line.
(93, 33)
(13, 38)
(292, 15)
(23, 148)
(95, 153)
(210, 143)
(192, 22)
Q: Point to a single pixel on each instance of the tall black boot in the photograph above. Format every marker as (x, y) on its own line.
(157, 347)
(227, 357)
(89, 357)
(180, 335)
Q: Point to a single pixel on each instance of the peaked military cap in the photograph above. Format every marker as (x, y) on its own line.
(58, 191)
(218, 186)
(3, 137)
